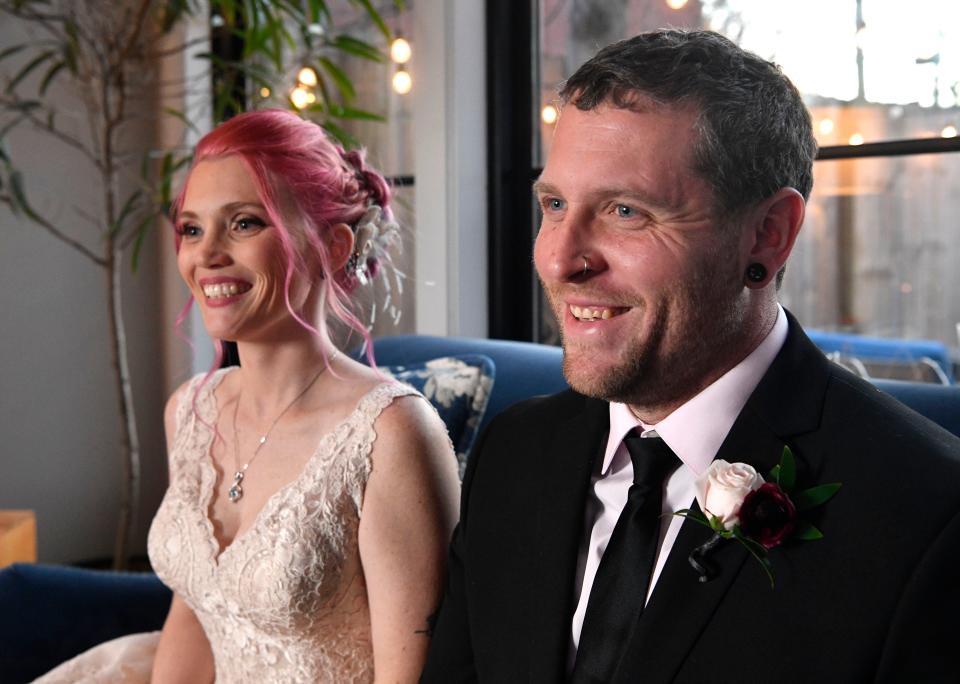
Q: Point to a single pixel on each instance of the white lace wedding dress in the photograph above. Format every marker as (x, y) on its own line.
(286, 601)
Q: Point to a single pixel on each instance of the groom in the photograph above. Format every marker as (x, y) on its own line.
(673, 195)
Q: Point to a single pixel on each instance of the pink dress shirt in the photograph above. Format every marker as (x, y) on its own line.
(695, 432)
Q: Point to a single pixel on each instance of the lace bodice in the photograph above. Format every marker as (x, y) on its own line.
(286, 601)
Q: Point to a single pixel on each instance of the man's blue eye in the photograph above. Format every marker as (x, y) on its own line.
(554, 204)
(624, 211)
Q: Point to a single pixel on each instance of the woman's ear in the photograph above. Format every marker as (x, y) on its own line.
(339, 245)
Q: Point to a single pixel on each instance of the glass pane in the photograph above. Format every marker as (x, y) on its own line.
(869, 70)
(877, 254)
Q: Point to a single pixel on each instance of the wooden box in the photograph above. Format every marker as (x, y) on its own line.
(18, 537)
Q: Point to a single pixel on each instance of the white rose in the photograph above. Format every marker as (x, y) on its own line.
(722, 487)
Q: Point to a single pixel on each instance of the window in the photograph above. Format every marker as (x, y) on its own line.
(877, 251)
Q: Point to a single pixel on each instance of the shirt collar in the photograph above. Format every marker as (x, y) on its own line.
(696, 429)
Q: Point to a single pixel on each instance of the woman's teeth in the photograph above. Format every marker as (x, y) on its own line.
(223, 290)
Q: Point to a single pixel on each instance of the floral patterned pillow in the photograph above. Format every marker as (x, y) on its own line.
(458, 387)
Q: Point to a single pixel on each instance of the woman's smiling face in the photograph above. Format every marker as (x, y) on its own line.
(231, 256)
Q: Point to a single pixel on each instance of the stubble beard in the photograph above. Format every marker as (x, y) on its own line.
(664, 367)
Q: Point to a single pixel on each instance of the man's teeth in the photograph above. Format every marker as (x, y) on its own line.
(591, 313)
(221, 290)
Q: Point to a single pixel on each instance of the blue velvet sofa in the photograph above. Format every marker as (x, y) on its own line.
(50, 613)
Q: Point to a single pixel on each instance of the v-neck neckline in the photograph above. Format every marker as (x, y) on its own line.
(217, 551)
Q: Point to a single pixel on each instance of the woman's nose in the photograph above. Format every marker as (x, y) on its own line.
(214, 253)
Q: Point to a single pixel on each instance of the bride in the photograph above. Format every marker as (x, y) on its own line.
(311, 500)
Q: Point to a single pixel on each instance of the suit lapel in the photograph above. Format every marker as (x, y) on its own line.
(788, 401)
(577, 441)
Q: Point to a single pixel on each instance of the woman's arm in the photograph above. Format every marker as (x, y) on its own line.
(183, 653)
(409, 510)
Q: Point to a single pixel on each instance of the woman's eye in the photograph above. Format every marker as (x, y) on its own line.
(248, 223)
(189, 231)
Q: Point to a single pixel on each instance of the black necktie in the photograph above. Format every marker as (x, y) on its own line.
(620, 587)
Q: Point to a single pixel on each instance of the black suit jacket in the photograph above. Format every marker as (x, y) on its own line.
(876, 600)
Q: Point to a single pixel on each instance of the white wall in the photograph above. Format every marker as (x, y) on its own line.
(449, 112)
(60, 450)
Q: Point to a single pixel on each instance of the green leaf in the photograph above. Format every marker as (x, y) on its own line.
(7, 52)
(340, 79)
(141, 232)
(757, 551)
(20, 199)
(788, 470)
(806, 532)
(50, 75)
(176, 113)
(340, 134)
(28, 68)
(129, 206)
(815, 496)
(356, 114)
(374, 16)
(358, 48)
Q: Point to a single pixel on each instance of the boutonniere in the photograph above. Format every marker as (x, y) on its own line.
(736, 503)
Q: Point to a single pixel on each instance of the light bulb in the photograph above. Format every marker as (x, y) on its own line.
(264, 92)
(826, 126)
(300, 97)
(307, 76)
(549, 114)
(676, 4)
(400, 51)
(949, 131)
(402, 83)
(856, 139)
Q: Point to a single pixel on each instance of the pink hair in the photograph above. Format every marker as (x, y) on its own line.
(293, 160)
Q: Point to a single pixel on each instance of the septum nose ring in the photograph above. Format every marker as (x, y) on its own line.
(586, 265)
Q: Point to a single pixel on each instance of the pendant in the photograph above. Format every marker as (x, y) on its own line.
(235, 493)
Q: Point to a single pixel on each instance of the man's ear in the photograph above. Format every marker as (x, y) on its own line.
(773, 233)
(339, 245)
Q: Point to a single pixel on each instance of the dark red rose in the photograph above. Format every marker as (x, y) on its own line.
(767, 515)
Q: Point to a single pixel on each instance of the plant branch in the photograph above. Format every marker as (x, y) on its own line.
(57, 233)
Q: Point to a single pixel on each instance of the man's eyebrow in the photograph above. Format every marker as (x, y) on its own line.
(542, 187)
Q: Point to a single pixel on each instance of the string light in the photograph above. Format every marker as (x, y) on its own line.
(949, 131)
(549, 114)
(826, 126)
(856, 139)
(676, 4)
(400, 50)
(307, 76)
(300, 97)
(402, 83)
(264, 92)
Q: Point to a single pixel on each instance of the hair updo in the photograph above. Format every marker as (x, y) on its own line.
(307, 183)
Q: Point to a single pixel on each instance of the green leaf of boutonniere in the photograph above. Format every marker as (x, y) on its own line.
(806, 531)
(757, 551)
(785, 474)
(815, 496)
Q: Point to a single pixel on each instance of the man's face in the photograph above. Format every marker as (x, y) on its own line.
(663, 300)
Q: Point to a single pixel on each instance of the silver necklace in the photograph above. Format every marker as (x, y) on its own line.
(235, 493)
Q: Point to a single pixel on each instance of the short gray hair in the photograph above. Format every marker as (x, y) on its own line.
(754, 132)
